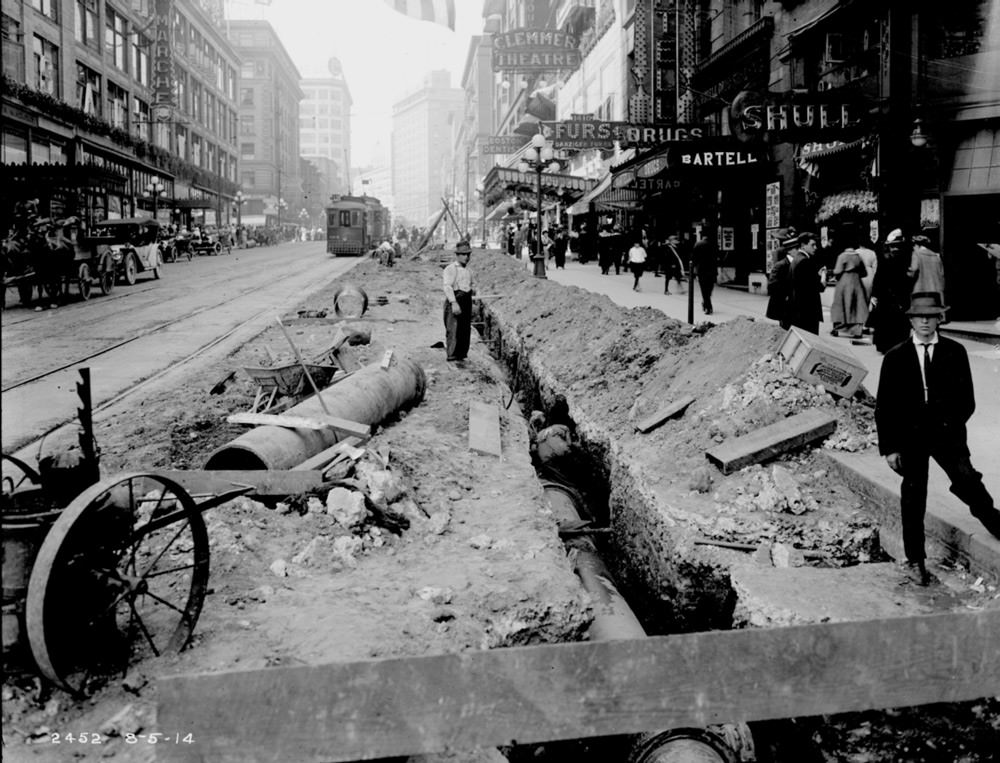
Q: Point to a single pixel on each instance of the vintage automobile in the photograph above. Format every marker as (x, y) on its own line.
(135, 246)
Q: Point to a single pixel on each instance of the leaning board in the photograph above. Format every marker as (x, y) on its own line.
(484, 428)
(766, 443)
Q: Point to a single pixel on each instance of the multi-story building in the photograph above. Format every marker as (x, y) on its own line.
(100, 98)
(421, 148)
(269, 97)
(471, 163)
(325, 123)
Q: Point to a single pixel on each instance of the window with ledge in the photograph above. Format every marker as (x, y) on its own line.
(246, 96)
(115, 36)
(117, 112)
(14, 147)
(85, 23)
(140, 58)
(140, 118)
(46, 66)
(247, 126)
(48, 8)
(196, 154)
(248, 151)
(88, 90)
(182, 143)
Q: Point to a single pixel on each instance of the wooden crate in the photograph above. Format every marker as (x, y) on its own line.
(819, 360)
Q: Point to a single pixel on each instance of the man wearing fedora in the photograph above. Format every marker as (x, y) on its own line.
(458, 293)
(925, 397)
(778, 280)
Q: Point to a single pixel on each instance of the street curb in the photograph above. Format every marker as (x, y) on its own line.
(945, 539)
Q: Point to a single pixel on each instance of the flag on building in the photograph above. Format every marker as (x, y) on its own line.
(438, 11)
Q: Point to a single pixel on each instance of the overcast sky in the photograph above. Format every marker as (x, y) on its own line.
(385, 55)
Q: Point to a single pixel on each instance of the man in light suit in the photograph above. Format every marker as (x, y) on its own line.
(925, 397)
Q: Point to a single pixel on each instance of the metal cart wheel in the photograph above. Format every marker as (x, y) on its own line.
(131, 269)
(120, 577)
(83, 281)
(216, 248)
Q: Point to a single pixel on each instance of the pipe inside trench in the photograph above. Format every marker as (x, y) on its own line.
(368, 396)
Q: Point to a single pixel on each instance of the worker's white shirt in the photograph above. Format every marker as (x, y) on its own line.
(456, 278)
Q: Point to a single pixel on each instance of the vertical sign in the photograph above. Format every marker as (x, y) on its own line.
(772, 221)
(163, 60)
(728, 239)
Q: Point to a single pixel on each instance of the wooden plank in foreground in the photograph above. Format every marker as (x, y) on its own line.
(323, 458)
(484, 428)
(380, 708)
(317, 421)
(268, 483)
(766, 443)
(651, 422)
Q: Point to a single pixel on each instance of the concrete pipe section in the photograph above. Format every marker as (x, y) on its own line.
(368, 396)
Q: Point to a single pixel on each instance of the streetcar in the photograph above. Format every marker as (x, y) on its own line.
(355, 224)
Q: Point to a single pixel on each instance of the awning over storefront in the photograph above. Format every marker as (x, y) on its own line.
(812, 155)
(61, 176)
(583, 205)
(499, 180)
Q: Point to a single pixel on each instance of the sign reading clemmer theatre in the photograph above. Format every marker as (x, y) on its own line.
(535, 50)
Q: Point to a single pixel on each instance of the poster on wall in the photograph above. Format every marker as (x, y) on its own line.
(728, 239)
(772, 205)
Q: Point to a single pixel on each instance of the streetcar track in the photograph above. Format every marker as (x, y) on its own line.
(34, 315)
(142, 334)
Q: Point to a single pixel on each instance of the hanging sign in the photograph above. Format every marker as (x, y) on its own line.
(163, 60)
(501, 144)
(535, 50)
(584, 131)
(623, 179)
(716, 158)
(653, 167)
(780, 115)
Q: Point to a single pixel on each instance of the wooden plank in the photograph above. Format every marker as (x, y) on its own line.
(484, 428)
(651, 422)
(317, 421)
(323, 459)
(766, 443)
(408, 706)
(277, 483)
(386, 359)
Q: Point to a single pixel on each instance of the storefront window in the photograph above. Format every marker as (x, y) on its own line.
(46, 59)
(15, 147)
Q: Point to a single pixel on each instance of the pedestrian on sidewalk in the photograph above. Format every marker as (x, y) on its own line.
(706, 268)
(925, 397)
(926, 267)
(806, 281)
(849, 310)
(673, 264)
(870, 259)
(779, 287)
(605, 244)
(458, 291)
(891, 294)
(637, 262)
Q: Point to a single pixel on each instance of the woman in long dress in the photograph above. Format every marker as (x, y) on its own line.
(850, 301)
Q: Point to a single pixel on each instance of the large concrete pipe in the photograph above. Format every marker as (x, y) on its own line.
(368, 396)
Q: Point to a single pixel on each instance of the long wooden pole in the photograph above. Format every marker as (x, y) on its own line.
(305, 368)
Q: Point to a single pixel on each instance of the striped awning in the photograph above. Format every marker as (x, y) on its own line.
(809, 152)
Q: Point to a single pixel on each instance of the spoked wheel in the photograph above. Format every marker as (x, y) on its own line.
(83, 281)
(107, 277)
(131, 269)
(216, 248)
(120, 577)
(157, 263)
(190, 254)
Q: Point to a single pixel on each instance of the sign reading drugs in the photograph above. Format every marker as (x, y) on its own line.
(163, 59)
(501, 144)
(535, 50)
(587, 132)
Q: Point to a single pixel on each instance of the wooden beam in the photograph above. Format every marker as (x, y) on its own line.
(323, 459)
(267, 483)
(787, 434)
(484, 428)
(651, 422)
(381, 708)
(317, 421)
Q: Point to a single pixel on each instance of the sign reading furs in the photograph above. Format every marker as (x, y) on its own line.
(586, 132)
(535, 50)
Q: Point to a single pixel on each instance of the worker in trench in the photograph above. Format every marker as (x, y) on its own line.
(458, 292)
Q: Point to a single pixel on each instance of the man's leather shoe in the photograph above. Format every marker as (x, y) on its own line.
(916, 573)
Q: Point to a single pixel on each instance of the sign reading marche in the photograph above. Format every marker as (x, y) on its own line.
(535, 49)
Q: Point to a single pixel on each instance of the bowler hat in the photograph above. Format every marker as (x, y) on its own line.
(926, 303)
(463, 247)
(787, 237)
(895, 237)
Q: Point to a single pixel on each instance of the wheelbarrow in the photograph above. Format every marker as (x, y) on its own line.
(117, 576)
(288, 381)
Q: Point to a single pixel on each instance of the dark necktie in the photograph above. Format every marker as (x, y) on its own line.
(927, 373)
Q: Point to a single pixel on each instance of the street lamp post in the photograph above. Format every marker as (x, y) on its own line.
(540, 158)
(239, 199)
(282, 204)
(155, 189)
(481, 195)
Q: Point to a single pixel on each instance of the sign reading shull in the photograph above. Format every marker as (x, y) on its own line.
(163, 59)
(753, 115)
(535, 50)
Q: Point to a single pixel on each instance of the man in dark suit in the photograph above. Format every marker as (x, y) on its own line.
(778, 284)
(806, 280)
(706, 267)
(925, 397)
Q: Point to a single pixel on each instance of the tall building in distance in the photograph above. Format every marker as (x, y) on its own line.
(422, 125)
(268, 125)
(325, 127)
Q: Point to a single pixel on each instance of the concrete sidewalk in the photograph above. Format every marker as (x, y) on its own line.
(952, 533)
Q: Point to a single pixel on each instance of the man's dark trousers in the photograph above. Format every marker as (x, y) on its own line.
(458, 327)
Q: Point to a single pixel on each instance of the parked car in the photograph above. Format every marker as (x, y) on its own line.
(135, 246)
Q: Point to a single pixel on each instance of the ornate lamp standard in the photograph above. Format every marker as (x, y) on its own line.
(155, 189)
(538, 157)
(239, 200)
(481, 195)
(282, 204)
